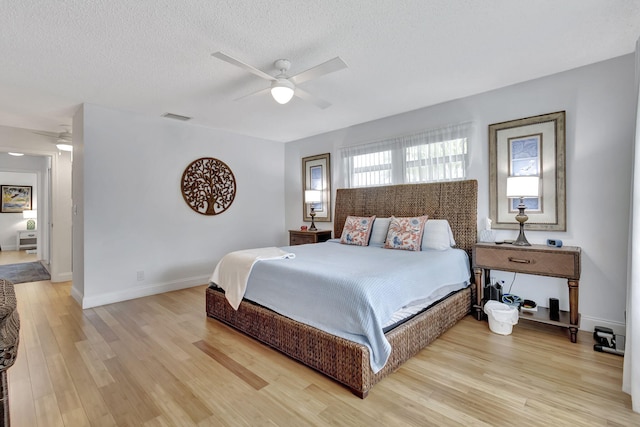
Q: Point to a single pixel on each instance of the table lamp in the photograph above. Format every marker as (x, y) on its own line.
(311, 197)
(519, 187)
(30, 216)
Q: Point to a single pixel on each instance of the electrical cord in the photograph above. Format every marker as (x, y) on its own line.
(512, 280)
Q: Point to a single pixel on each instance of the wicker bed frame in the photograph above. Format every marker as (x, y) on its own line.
(345, 361)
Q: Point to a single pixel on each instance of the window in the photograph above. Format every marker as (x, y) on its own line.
(435, 155)
(437, 161)
(371, 169)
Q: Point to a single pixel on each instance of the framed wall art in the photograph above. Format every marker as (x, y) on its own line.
(15, 198)
(316, 175)
(208, 186)
(533, 146)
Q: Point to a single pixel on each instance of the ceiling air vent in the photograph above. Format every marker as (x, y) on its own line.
(176, 117)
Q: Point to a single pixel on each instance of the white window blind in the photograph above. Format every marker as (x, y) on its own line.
(433, 155)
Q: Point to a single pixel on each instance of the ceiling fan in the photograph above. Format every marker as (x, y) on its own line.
(63, 139)
(284, 87)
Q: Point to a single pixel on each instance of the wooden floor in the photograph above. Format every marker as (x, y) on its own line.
(16, 257)
(159, 361)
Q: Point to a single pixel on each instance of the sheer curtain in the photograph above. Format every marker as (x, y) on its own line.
(432, 155)
(631, 374)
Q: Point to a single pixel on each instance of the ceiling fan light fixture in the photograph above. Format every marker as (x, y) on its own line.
(64, 147)
(282, 90)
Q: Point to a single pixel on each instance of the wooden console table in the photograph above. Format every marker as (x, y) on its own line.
(538, 260)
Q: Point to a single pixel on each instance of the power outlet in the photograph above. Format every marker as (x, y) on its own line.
(140, 276)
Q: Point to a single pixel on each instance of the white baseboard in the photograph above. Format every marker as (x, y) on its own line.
(141, 291)
(589, 323)
(62, 277)
(76, 295)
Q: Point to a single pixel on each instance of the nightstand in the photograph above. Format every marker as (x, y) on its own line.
(538, 260)
(299, 237)
(27, 239)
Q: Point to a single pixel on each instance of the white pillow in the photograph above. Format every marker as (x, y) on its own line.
(437, 235)
(379, 232)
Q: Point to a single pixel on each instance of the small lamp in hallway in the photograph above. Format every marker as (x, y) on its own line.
(30, 216)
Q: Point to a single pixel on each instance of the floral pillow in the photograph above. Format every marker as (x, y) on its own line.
(405, 233)
(357, 230)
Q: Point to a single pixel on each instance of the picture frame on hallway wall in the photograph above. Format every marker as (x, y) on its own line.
(316, 175)
(16, 198)
(530, 146)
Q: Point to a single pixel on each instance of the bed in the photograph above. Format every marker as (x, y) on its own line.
(346, 361)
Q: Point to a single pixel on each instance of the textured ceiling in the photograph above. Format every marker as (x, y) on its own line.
(154, 57)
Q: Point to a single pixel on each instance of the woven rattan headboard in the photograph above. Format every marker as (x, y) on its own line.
(456, 201)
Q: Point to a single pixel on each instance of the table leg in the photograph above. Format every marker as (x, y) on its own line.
(479, 288)
(573, 308)
(574, 334)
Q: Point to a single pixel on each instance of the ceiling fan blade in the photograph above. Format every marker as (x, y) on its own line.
(330, 66)
(259, 92)
(249, 68)
(45, 133)
(318, 102)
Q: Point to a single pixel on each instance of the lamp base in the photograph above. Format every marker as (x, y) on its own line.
(312, 214)
(521, 218)
(31, 225)
(521, 240)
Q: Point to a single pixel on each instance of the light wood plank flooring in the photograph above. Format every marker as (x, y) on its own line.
(159, 361)
(16, 257)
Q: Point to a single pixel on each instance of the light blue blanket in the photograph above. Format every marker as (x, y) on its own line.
(351, 291)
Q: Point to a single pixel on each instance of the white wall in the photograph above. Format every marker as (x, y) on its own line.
(599, 111)
(77, 205)
(61, 253)
(58, 236)
(132, 215)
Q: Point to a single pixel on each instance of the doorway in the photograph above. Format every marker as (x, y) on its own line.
(24, 239)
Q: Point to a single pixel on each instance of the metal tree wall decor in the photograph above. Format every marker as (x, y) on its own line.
(208, 186)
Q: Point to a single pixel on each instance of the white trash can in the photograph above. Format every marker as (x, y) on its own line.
(501, 316)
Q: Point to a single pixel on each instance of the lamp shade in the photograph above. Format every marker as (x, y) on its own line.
(29, 214)
(312, 196)
(282, 90)
(523, 186)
